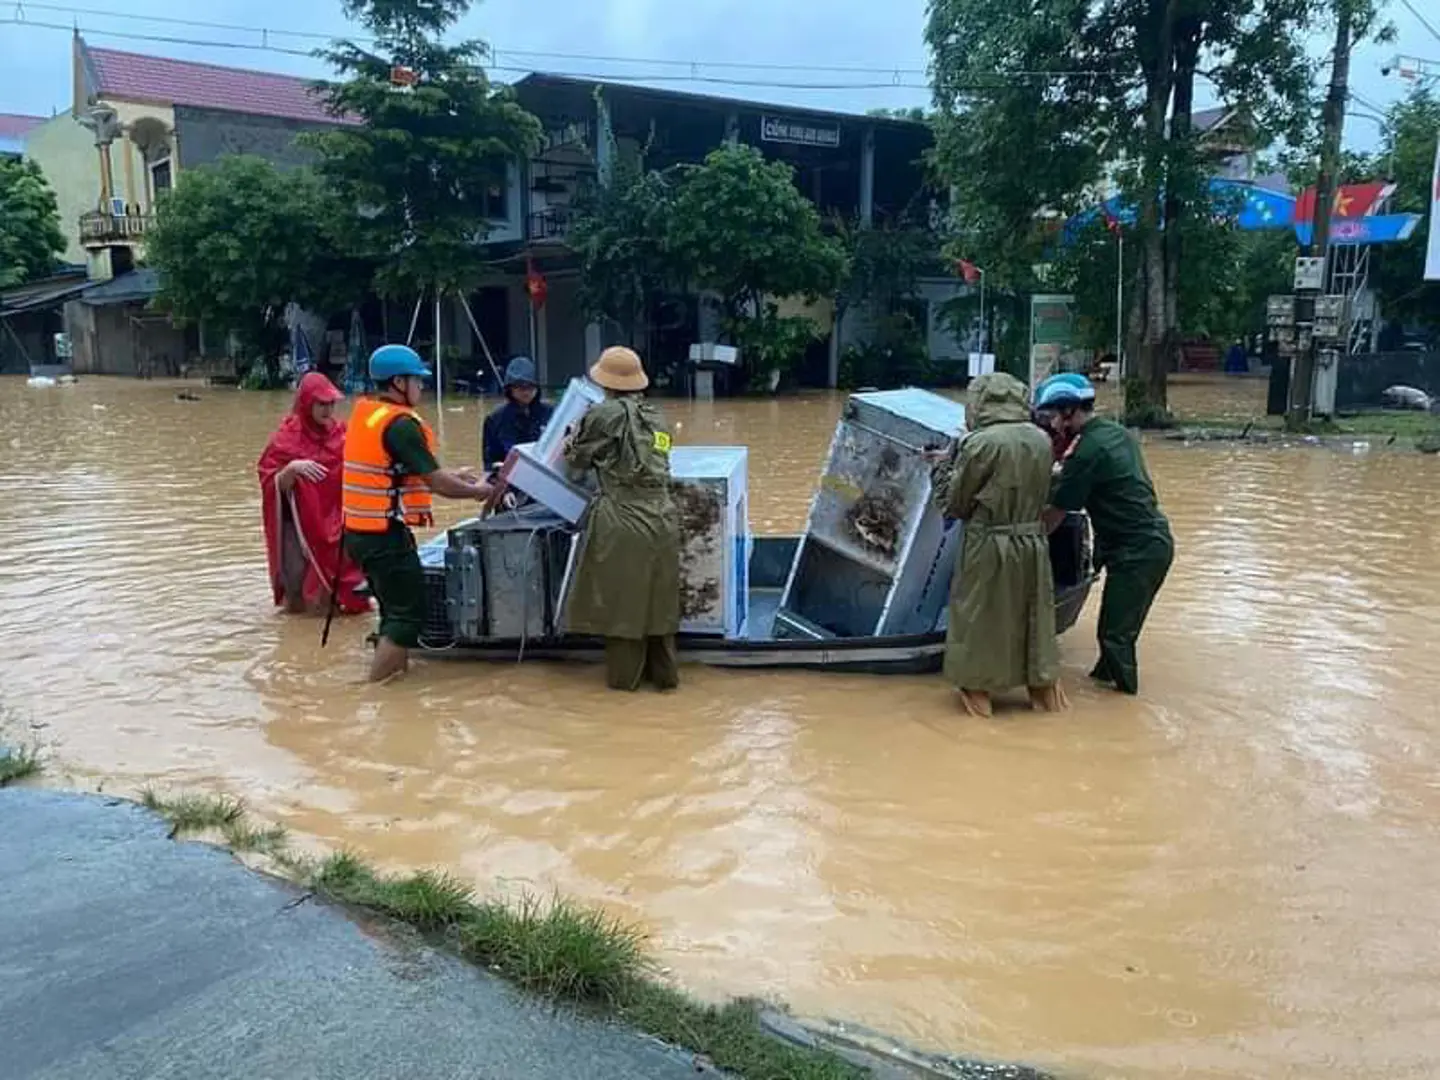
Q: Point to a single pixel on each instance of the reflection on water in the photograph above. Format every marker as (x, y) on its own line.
(1233, 875)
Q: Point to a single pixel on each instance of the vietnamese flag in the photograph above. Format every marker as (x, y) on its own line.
(969, 271)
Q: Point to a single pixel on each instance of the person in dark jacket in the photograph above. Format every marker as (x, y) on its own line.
(523, 416)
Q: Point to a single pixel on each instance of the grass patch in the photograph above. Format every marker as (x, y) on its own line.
(18, 764)
(194, 813)
(729, 1035)
(1400, 425)
(574, 954)
(240, 835)
(559, 949)
(563, 951)
(428, 901)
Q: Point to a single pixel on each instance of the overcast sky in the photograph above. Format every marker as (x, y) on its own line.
(35, 62)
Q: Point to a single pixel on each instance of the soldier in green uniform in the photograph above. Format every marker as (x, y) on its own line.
(1104, 474)
(627, 584)
(1001, 631)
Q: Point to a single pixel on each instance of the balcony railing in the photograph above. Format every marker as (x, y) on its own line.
(550, 225)
(99, 227)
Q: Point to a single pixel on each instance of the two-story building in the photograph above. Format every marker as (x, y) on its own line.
(858, 167)
(135, 123)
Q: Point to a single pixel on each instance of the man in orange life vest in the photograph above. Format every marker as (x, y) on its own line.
(390, 473)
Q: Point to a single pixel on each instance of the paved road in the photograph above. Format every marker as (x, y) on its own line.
(127, 956)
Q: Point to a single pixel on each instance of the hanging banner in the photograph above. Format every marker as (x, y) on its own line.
(1052, 320)
(1380, 229)
(1432, 253)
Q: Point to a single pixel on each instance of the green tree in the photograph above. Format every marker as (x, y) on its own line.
(1026, 139)
(883, 263)
(1412, 128)
(429, 162)
(741, 228)
(621, 233)
(237, 241)
(30, 237)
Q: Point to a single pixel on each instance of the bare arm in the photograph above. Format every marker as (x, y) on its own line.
(455, 484)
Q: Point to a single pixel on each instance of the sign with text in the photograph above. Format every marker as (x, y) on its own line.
(779, 129)
(1052, 319)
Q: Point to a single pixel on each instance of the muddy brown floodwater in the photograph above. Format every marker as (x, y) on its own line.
(1235, 875)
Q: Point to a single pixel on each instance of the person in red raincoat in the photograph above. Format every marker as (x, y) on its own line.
(300, 473)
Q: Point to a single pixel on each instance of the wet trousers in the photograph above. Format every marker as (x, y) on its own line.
(1132, 578)
(630, 661)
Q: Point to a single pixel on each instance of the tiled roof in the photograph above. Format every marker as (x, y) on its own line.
(15, 126)
(133, 77)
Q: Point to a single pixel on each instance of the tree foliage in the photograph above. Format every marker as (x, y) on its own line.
(30, 237)
(735, 225)
(1041, 107)
(740, 227)
(621, 233)
(1412, 128)
(239, 240)
(428, 161)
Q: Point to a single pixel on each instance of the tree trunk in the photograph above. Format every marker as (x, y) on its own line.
(1147, 397)
(1179, 177)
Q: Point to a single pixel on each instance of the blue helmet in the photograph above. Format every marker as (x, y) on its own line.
(521, 369)
(391, 361)
(1063, 391)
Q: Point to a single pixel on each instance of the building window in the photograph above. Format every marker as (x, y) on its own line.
(160, 179)
(497, 205)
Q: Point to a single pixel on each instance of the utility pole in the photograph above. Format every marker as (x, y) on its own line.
(1302, 387)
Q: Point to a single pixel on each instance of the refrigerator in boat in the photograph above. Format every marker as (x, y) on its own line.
(710, 487)
(503, 575)
(877, 555)
(580, 396)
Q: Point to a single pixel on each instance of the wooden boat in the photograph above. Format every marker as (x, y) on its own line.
(770, 562)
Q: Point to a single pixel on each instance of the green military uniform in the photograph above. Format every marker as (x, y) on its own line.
(389, 559)
(1105, 475)
(1002, 603)
(627, 585)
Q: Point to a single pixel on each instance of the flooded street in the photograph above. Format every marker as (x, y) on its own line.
(1234, 875)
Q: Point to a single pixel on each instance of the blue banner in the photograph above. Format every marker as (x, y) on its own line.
(1378, 229)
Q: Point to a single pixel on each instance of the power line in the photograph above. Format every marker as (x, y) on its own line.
(694, 76)
(1421, 19)
(211, 43)
(895, 72)
(267, 32)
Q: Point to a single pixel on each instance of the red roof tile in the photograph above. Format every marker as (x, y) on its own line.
(133, 77)
(15, 126)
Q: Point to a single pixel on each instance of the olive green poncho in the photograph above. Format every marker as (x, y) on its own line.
(627, 584)
(1002, 602)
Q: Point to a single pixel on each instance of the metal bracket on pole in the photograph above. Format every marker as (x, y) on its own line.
(439, 361)
(484, 347)
(415, 318)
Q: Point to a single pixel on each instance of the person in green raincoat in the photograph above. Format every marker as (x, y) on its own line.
(1104, 474)
(1002, 601)
(627, 584)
